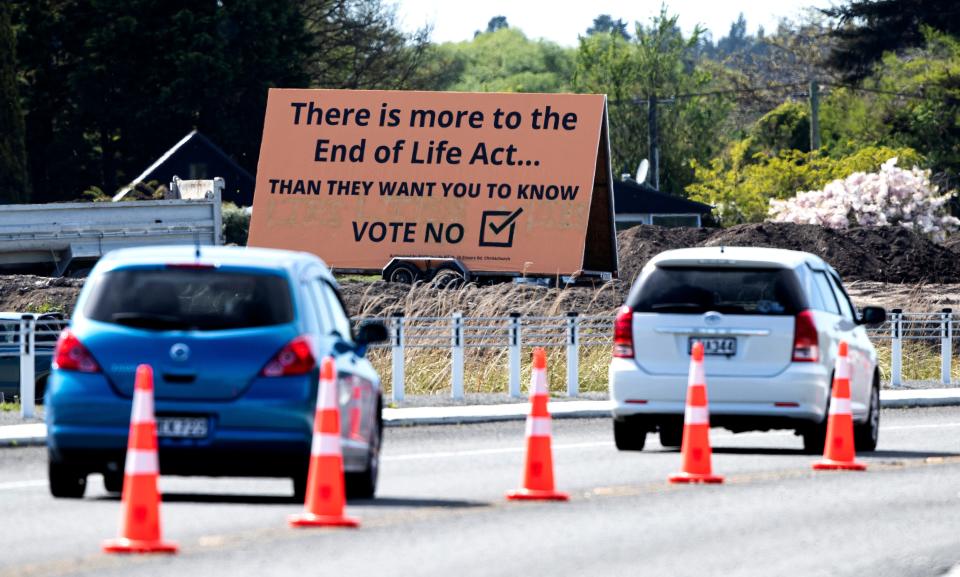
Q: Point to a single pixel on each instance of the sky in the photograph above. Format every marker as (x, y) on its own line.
(561, 21)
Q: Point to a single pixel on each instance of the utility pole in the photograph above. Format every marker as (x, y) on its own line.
(654, 139)
(814, 115)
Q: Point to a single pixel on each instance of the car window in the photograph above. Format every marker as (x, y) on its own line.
(190, 299)
(329, 325)
(813, 292)
(9, 332)
(309, 307)
(846, 309)
(826, 292)
(47, 331)
(693, 290)
(340, 319)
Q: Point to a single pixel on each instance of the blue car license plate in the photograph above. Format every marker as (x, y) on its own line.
(717, 346)
(182, 427)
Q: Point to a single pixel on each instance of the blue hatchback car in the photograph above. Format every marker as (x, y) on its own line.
(233, 336)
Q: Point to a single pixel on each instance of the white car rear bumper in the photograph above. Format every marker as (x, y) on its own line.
(799, 392)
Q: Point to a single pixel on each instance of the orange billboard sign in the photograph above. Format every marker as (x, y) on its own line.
(502, 182)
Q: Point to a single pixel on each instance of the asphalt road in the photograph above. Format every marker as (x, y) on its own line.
(441, 512)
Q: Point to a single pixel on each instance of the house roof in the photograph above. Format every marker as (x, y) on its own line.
(195, 138)
(631, 197)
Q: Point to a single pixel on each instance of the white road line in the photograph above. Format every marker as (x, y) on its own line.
(930, 426)
(14, 485)
(499, 451)
(37, 483)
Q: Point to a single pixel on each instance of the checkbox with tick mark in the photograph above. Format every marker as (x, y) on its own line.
(497, 227)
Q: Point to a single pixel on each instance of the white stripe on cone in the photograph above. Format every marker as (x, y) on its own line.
(696, 416)
(538, 382)
(538, 427)
(843, 368)
(325, 445)
(840, 407)
(142, 407)
(327, 397)
(141, 462)
(697, 376)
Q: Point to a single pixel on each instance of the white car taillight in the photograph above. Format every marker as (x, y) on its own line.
(806, 342)
(623, 333)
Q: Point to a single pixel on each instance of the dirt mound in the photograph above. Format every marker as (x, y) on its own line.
(883, 254)
(38, 294)
(850, 258)
(639, 244)
(905, 257)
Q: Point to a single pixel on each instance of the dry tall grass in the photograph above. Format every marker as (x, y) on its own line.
(428, 372)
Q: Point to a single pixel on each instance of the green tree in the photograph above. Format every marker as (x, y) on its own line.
(911, 100)
(605, 24)
(109, 85)
(868, 29)
(497, 23)
(13, 160)
(659, 63)
(505, 61)
(359, 44)
(786, 127)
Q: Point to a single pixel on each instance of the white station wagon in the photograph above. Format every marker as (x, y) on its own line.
(770, 320)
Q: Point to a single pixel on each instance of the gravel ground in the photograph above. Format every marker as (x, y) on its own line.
(12, 417)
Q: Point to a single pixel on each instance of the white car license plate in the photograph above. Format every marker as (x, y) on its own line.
(182, 427)
(715, 346)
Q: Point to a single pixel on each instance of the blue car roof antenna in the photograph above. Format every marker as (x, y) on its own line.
(196, 241)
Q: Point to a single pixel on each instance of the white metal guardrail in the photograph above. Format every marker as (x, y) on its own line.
(574, 331)
(29, 337)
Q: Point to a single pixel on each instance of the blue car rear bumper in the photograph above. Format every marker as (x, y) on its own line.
(265, 432)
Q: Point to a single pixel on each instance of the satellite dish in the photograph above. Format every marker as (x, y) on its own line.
(642, 171)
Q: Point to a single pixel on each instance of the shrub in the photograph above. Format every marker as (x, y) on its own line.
(741, 185)
(236, 224)
(891, 196)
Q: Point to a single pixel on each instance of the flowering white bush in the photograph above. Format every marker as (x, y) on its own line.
(893, 196)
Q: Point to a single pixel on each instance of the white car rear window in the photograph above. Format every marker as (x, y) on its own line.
(689, 290)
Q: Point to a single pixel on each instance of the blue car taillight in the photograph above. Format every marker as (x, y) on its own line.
(71, 355)
(295, 358)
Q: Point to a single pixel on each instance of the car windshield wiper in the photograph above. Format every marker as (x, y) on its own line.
(149, 321)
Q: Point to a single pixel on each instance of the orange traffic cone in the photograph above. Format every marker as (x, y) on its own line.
(839, 451)
(140, 524)
(538, 471)
(325, 489)
(695, 446)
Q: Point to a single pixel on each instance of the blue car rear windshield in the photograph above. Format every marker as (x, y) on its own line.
(690, 290)
(187, 299)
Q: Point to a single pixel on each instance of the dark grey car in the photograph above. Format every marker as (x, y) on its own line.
(48, 327)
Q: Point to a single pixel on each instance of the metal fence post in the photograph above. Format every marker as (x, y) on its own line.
(27, 364)
(573, 355)
(515, 343)
(456, 368)
(398, 356)
(896, 348)
(946, 345)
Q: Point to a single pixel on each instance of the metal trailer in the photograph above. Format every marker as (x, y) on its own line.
(68, 238)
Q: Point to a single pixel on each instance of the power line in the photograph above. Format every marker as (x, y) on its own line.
(915, 95)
